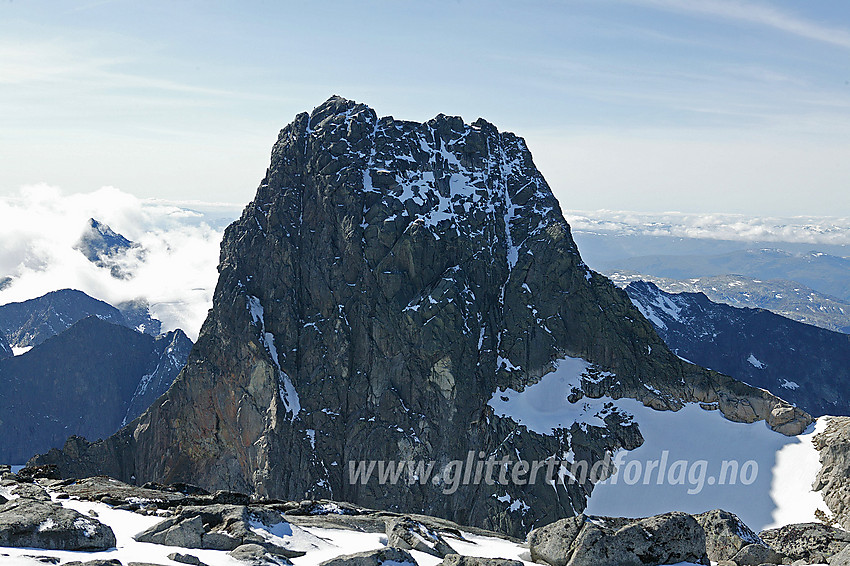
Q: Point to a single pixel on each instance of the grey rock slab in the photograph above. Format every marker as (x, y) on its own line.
(391, 555)
(812, 542)
(757, 554)
(186, 559)
(96, 562)
(40, 524)
(842, 558)
(458, 560)
(216, 527)
(408, 534)
(256, 555)
(176, 531)
(662, 539)
(31, 491)
(725, 534)
(552, 543)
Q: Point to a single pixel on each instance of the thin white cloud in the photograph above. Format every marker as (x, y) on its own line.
(79, 64)
(758, 14)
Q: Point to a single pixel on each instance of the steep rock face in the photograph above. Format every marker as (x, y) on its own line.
(168, 356)
(806, 365)
(833, 480)
(5, 348)
(387, 279)
(87, 380)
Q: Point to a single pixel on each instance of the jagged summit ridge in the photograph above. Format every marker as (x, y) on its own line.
(468, 189)
(388, 278)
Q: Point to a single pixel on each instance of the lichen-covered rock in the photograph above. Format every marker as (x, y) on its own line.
(553, 543)
(757, 554)
(386, 281)
(813, 542)
(41, 524)
(833, 480)
(599, 541)
(842, 558)
(725, 534)
(663, 539)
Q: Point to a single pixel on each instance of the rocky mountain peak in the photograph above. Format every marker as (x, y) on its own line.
(387, 280)
(104, 247)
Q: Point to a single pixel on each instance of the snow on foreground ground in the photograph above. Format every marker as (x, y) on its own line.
(773, 473)
(320, 544)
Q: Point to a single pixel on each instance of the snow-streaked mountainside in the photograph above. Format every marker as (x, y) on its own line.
(81, 366)
(820, 271)
(786, 298)
(806, 365)
(29, 323)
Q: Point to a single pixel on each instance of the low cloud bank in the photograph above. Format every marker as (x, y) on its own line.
(173, 267)
(798, 229)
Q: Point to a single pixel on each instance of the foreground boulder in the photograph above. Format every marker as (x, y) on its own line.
(552, 543)
(599, 541)
(813, 543)
(757, 554)
(409, 534)
(216, 527)
(40, 524)
(725, 534)
(256, 555)
(391, 556)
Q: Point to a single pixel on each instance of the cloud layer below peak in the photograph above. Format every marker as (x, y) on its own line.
(173, 267)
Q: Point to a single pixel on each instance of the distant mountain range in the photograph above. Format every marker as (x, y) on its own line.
(84, 367)
(787, 298)
(29, 323)
(827, 274)
(804, 364)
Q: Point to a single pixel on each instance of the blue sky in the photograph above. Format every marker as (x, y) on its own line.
(649, 105)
